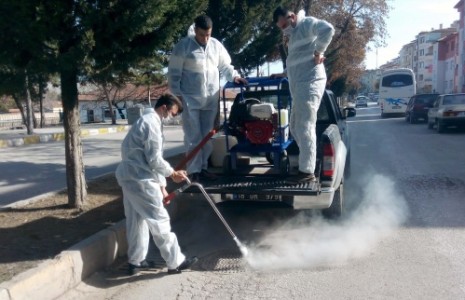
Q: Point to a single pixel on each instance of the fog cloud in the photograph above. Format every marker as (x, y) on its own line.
(312, 241)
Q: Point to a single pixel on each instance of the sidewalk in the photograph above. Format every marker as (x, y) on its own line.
(19, 137)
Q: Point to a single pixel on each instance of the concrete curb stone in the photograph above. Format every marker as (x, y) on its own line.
(57, 136)
(54, 277)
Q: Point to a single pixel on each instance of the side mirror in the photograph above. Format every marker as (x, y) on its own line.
(350, 112)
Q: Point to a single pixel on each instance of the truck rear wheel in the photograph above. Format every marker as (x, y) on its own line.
(337, 207)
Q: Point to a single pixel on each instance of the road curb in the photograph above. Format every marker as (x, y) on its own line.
(58, 136)
(53, 277)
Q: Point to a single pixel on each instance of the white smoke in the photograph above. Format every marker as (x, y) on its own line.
(306, 242)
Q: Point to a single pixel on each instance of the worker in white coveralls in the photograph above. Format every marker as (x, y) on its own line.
(141, 174)
(308, 39)
(194, 70)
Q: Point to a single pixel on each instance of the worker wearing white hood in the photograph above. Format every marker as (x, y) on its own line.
(194, 70)
(308, 39)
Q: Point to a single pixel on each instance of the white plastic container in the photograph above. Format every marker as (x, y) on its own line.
(262, 110)
(219, 149)
(284, 117)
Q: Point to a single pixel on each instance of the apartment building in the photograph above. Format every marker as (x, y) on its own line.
(408, 55)
(445, 64)
(460, 6)
(425, 57)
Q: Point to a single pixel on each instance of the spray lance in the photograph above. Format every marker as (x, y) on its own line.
(242, 248)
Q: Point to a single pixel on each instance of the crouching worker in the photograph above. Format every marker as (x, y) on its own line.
(141, 174)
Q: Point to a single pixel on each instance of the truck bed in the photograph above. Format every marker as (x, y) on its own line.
(256, 185)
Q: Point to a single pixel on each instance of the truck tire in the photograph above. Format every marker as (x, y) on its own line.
(337, 207)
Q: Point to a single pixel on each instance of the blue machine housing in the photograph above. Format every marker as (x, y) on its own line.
(275, 151)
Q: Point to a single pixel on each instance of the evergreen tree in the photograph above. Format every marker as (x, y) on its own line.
(246, 29)
(80, 39)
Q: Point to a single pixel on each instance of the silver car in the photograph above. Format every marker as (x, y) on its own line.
(361, 101)
(447, 110)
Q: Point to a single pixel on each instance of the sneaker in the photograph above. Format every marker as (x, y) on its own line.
(186, 264)
(302, 177)
(208, 175)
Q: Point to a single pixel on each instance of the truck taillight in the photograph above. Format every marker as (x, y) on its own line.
(450, 114)
(328, 160)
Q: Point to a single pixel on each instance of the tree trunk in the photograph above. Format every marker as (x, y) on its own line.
(75, 177)
(21, 108)
(110, 105)
(41, 103)
(29, 112)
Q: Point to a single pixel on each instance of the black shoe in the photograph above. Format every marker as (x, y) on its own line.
(194, 177)
(208, 175)
(132, 269)
(186, 264)
(302, 177)
(145, 264)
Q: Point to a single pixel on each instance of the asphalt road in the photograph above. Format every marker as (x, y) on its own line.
(402, 236)
(37, 169)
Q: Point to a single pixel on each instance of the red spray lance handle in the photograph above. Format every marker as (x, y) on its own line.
(176, 192)
(194, 151)
(183, 163)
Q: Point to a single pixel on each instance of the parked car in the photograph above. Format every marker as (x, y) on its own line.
(418, 106)
(361, 101)
(447, 110)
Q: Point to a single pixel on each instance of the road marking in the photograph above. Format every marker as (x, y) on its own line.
(369, 115)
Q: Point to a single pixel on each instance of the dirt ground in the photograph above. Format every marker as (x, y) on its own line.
(39, 231)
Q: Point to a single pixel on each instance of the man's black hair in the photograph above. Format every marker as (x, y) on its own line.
(169, 100)
(203, 22)
(279, 12)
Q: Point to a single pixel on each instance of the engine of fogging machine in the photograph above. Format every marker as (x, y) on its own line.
(259, 123)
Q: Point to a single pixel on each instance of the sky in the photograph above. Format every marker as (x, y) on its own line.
(406, 19)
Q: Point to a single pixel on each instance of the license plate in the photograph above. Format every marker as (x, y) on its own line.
(396, 107)
(252, 197)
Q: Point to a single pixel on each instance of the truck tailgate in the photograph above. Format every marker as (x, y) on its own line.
(257, 185)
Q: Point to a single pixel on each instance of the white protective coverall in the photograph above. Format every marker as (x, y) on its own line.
(194, 74)
(307, 82)
(140, 174)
